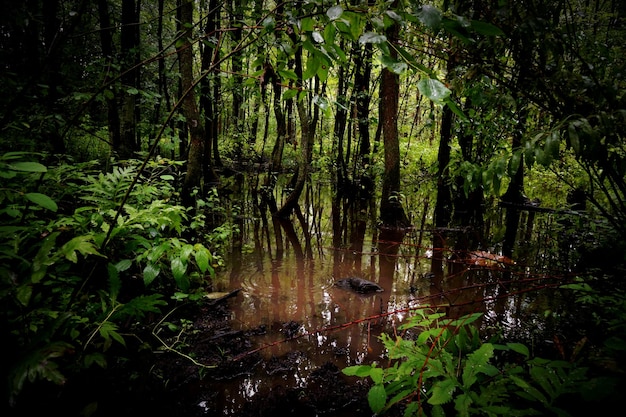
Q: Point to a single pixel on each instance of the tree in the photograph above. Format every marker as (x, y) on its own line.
(391, 211)
(195, 158)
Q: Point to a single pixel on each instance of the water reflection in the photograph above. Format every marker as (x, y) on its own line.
(303, 321)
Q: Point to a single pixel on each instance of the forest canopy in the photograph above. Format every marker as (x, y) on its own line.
(502, 85)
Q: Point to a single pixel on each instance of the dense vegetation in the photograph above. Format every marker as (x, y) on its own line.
(124, 121)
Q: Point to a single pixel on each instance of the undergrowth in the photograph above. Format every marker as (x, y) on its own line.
(86, 257)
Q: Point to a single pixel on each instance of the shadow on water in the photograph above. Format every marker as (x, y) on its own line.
(299, 322)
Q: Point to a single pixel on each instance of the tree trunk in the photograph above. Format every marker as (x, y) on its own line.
(130, 78)
(391, 210)
(209, 91)
(106, 42)
(193, 178)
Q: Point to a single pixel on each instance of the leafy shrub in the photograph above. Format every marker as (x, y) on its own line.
(448, 370)
(77, 277)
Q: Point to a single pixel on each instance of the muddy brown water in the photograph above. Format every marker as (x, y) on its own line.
(304, 323)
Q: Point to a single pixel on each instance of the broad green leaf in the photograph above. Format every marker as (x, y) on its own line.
(377, 397)
(307, 24)
(80, 244)
(24, 294)
(519, 348)
(150, 272)
(312, 65)
(372, 37)
(123, 265)
(202, 259)
(42, 260)
(27, 167)
(574, 139)
(115, 284)
(334, 12)
(434, 89)
(377, 375)
(552, 145)
(42, 200)
(477, 362)
(179, 268)
(545, 378)
(289, 94)
(514, 162)
(288, 75)
(358, 370)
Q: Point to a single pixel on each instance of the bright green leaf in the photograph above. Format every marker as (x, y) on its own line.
(377, 397)
(358, 370)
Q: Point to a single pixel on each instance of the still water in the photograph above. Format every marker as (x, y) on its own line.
(301, 321)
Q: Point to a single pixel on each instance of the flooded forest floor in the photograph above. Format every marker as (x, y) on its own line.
(276, 345)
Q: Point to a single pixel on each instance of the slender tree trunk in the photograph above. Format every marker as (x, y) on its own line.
(106, 42)
(391, 210)
(130, 78)
(208, 91)
(193, 178)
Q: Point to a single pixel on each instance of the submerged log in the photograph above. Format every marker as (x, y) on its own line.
(360, 285)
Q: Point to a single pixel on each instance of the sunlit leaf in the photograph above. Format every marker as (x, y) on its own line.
(317, 37)
(434, 89)
(334, 12)
(372, 37)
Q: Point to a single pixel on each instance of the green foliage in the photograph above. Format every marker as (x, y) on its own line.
(79, 271)
(446, 369)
